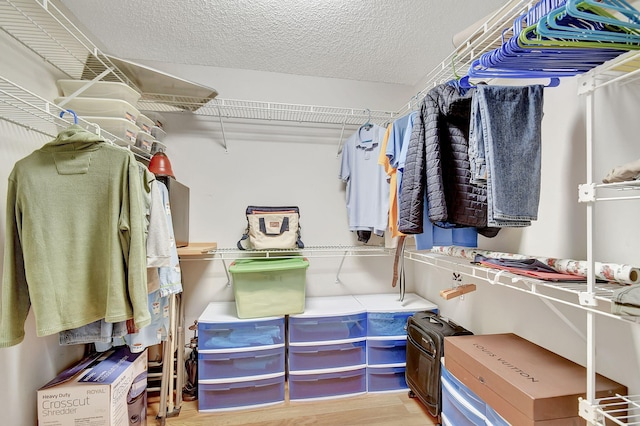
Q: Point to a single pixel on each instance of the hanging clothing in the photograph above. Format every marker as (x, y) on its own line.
(104, 334)
(437, 164)
(508, 134)
(170, 276)
(367, 192)
(155, 332)
(75, 240)
(392, 160)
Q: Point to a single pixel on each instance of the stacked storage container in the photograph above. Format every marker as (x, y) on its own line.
(387, 337)
(241, 362)
(108, 104)
(327, 349)
(462, 407)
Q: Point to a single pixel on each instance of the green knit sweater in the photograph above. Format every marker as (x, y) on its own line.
(74, 246)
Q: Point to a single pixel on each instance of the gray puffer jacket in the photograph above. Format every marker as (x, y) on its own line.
(438, 162)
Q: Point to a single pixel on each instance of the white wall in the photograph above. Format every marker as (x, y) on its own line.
(289, 163)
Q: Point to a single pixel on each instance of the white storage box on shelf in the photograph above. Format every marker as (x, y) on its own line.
(158, 133)
(241, 362)
(158, 147)
(101, 107)
(99, 89)
(387, 317)
(145, 123)
(144, 141)
(157, 118)
(119, 127)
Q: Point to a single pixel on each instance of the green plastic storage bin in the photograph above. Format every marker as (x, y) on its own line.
(269, 287)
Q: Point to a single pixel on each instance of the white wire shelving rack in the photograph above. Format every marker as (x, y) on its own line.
(619, 71)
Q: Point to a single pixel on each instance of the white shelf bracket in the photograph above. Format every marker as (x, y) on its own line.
(226, 271)
(587, 299)
(344, 122)
(587, 193)
(587, 411)
(224, 137)
(84, 87)
(340, 268)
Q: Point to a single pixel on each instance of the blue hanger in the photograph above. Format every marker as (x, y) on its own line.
(72, 112)
(624, 9)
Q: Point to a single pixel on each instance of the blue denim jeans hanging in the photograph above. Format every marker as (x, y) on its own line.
(507, 128)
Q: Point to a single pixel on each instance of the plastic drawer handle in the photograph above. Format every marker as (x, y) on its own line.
(263, 356)
(217, 329)
(308, 380)
(388, 373)
(392, 345)
(308, 322)
(267, 327)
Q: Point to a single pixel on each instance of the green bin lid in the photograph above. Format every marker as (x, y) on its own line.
(265, 265)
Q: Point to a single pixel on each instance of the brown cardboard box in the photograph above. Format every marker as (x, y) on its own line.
(525, 383)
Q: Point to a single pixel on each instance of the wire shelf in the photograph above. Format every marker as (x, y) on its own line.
(573, 292)
(310, 251)
(620, 410)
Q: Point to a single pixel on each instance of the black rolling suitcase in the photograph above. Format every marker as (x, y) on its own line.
(425, 345)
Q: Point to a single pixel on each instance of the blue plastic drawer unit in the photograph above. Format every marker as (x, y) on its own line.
(220, 328)
(328, 318)
(382, 351)
(322, 384)
(244, 393)
(235, 363)
(387, 315)
(462, 407)
(387, 378)
(326, 355)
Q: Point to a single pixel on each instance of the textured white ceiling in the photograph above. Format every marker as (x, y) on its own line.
(391, 41)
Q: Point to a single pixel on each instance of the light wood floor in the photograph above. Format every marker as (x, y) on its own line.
(373, 409)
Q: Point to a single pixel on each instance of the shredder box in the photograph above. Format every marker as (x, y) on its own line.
(525, 383)
(269, 287)
(107, 389)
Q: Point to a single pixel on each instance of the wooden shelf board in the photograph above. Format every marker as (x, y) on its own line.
(198, 250)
